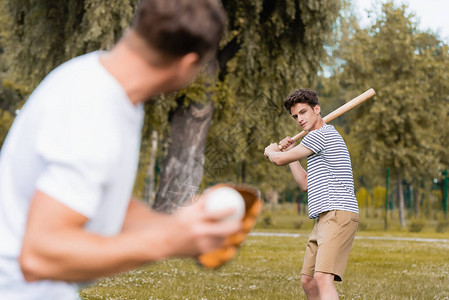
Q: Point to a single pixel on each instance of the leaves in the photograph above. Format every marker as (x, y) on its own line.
(281, 48)
(39, 35)
(402, 127)
(277, 46)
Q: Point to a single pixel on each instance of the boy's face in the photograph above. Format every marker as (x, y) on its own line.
(306, 116)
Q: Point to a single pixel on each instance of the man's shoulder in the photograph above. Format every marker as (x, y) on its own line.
(84, 59)
(81, 81)
(81, 68)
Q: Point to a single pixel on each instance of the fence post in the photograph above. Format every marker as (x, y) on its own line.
(446, 183)
(386, 197)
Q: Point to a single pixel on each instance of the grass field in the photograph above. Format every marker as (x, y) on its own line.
(268, 267)
(285, 218)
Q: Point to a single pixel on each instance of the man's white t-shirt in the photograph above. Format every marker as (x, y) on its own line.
(76, 139)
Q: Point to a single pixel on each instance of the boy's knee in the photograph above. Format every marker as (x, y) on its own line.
(307, 281)
(323, 278)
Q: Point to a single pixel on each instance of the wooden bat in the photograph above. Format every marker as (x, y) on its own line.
(341, 110)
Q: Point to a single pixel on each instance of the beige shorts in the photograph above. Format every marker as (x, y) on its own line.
(330, 242)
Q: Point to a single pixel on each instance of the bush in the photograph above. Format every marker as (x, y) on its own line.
(362, 226)
(297, 224)
(379, 195)
(363, 198)
(416, 226)
(267, 220)
(442, 226)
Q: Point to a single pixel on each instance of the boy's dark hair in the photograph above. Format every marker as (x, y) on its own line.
(301, 96)
(178, 27)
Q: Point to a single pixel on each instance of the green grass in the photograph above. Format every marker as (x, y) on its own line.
(269, 268)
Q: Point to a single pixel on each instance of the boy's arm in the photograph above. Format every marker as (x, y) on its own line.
(282, 158)
(294, 152)
(57, 247)
(299, 174)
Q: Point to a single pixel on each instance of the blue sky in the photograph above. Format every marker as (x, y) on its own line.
(431, 14)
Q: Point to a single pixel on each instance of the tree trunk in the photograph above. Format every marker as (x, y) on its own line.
(150, 190)
(400, 198)
(182, 168)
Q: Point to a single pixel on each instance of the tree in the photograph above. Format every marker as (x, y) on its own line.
(270, 48)
(401, 128)
(36, 36)
(39, 35)
(5, 122)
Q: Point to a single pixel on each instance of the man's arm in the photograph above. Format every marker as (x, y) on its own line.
(56, 246)
(139, 214)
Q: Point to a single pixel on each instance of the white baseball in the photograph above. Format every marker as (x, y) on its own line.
(224, 198)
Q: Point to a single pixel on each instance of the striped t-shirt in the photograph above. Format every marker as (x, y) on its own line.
(329, 173)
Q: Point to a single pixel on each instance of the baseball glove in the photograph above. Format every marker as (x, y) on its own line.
(253, 206)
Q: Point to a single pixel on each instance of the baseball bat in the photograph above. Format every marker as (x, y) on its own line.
(342, 109)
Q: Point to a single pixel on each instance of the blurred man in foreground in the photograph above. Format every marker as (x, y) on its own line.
(68, 165)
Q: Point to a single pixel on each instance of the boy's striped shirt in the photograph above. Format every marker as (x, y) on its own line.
(329, 173)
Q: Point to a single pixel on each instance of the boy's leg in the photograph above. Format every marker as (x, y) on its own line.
(310, 287)
(335, 234)
(308, 268)
(325, 284)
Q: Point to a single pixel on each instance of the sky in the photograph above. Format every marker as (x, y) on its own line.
(431, 14)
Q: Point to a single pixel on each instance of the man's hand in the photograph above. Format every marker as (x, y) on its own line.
(287, 144)
(198, 231)
(253, 207)
(56, 245)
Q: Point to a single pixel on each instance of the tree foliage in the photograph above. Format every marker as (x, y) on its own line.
(36, 36)
(5, 122)
(277, 46)
(270, 48)
(402, 127)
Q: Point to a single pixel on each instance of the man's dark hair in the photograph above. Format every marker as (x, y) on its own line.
(178, 27)
(301, 96)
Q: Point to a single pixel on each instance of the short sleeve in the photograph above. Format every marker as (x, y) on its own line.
(77, 155)
(314, 141)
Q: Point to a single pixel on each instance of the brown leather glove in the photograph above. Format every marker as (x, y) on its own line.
(253, 207)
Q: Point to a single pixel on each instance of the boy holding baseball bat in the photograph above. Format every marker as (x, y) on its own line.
(330, 188)
(68, 165)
